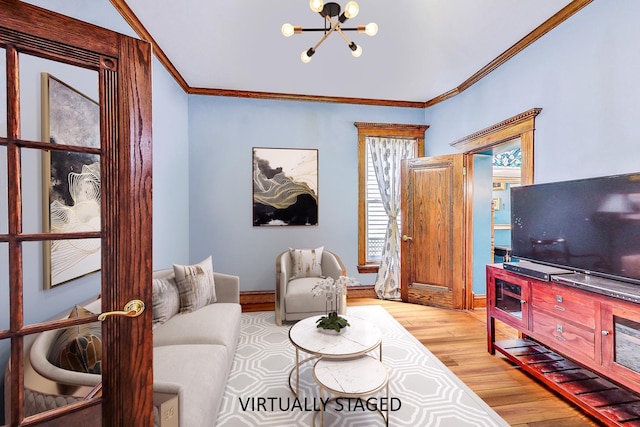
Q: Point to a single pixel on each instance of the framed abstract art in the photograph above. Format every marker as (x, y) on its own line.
(285, 186)
(71, 182)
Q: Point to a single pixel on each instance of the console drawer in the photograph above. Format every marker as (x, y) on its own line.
(563, 335)
(575, 306)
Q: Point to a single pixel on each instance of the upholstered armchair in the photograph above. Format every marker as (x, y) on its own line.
(295, 280)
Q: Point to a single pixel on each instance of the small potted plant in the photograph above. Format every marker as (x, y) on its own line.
(333, 291)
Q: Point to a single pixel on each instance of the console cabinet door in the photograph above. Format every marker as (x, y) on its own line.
(508, 298)
(621, 342)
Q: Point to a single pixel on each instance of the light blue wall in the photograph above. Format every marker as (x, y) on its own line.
(170, 170)
(222, 134)
(482, 191)
(584, 75)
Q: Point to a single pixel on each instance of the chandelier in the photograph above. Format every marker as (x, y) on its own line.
(329, 11)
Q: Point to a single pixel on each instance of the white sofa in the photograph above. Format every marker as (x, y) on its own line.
(193, 354)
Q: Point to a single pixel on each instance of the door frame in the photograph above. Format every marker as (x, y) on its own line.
(123, 65)
(519, 126)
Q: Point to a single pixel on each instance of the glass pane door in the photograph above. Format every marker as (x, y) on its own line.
(621, 340)
(509, 298)
(626, 336)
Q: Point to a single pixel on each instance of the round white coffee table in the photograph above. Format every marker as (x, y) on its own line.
(354, 378)
(356, 340)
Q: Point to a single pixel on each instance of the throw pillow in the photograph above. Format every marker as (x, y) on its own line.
(306, 262)
(78, 348)
(166, 300)
(195, 284)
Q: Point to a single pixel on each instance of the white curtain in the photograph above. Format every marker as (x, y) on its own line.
(387, 155)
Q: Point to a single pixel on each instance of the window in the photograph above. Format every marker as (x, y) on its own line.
(372, 218)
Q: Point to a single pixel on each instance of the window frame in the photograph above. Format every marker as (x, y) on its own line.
(379, 130)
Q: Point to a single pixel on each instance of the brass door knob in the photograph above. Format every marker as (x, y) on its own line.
(406, 238)
(133, 308)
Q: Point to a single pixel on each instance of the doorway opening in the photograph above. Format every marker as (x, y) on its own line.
(502, 140)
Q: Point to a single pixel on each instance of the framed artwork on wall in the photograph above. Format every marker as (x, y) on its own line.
(285, 186)
(71, 190)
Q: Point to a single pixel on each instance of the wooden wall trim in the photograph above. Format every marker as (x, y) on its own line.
(565, 13)
(557, 19)
(498, 133)
(268, 298)
(257, 297)
(305, 98)
(391, 129)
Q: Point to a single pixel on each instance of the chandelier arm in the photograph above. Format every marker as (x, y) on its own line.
(327, 34)
(339, 30)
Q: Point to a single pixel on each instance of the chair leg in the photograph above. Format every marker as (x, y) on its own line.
(278, 315)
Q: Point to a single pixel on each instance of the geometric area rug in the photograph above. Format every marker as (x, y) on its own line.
(423, 392)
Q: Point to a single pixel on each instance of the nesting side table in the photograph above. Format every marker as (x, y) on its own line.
(347, 379)
(358, 339)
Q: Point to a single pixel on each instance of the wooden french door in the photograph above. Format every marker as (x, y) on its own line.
(123, 68)
(433, 222)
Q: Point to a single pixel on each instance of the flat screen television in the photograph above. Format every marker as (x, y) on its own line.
(590, 225)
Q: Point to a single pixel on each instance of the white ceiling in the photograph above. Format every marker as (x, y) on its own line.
(423, 48)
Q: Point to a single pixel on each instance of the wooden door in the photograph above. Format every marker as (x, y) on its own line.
(123, 68)
(433, 223)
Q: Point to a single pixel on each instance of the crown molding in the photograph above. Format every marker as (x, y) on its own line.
(551, 23)
(305, 98)
(564, 14)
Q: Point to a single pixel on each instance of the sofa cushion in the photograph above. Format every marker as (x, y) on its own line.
(306, 262)
(200, 372)
(217, 323)
(195, 284)
(78, 348)
(166, 300)
(300, 299)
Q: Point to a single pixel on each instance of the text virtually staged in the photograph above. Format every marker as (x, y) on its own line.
(318, 404)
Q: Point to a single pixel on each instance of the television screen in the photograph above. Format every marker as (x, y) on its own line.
(589, 225)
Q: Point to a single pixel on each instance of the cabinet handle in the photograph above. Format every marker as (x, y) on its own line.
(605, 333)
(523, 301)
(559, 308)
(559, 298)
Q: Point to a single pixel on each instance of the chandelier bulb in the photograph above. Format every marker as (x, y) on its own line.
(316, 5)
(306, 55)
(351, 9)
(371, 29)
(287, 30)
(356, 50)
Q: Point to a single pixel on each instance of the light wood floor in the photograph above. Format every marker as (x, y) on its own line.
(459, 340)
